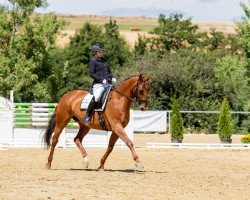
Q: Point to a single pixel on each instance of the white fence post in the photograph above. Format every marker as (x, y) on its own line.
(6, 119)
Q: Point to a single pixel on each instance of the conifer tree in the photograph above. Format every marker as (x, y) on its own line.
(225, 128)
(176, 127)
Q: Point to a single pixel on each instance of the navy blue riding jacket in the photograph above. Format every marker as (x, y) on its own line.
(99, 70)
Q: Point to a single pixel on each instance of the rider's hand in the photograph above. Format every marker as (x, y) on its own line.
(114, 80)
(104, 81)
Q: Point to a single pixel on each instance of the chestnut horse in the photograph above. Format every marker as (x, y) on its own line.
(116, 115)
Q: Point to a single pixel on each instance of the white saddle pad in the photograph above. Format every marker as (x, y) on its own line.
(85, 101)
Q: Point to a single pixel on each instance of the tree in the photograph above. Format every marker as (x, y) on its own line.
(216, 39)
(225, 129)
(231, 81)
(116, 47)
(173, 33)
(176, 124)
(140, 47)
(243, 30)
(24, 50)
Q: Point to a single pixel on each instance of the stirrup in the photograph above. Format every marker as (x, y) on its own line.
(86, 120)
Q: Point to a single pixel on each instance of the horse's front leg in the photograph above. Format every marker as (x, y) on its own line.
(119, 130)
(112, 141)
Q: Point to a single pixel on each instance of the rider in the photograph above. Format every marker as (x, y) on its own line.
(100, 72)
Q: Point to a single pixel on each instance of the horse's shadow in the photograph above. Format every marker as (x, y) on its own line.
(110, 170)
(135, 171)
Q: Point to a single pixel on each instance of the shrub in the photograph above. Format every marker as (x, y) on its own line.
(224, 128)
(176, 125)
(246, 139)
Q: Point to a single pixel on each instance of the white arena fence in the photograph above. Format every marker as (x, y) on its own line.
(32, 138)
(205, 146)
(28, 120)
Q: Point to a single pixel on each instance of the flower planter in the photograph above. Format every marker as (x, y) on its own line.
(226, 141)
(175, 140)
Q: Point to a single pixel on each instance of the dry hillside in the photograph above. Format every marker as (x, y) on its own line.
(125, 24)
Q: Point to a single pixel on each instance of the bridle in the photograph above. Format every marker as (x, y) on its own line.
(135, 92)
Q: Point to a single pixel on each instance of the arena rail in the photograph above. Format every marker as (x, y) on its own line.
(2, 147)
(18, 143)
(205, 146)
(34, 114)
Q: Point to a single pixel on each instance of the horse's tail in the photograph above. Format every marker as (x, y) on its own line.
(49, 130)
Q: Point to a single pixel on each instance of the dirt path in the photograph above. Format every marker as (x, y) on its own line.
(168, 174)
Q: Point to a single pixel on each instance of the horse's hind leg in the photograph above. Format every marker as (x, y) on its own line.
(78, 140)
(112, 141)
(60, 125)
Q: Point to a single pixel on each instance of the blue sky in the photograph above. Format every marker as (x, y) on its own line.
(211, 10)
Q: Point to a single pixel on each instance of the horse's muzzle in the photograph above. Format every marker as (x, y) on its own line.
(143, 107)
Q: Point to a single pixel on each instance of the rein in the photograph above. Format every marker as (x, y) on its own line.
(136, 99)
(129, 98)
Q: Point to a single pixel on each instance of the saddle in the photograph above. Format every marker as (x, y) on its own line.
(101, 103)
(103, 100)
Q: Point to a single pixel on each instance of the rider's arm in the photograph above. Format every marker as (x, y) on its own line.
(93, 74)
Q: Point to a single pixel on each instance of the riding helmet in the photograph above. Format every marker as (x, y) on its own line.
(97, 47)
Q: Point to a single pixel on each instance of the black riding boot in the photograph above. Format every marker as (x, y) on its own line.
(90, 111)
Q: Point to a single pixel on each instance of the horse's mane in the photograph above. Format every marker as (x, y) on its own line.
(127, 79)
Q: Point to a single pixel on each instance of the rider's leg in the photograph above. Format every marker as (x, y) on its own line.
(90, 111)
(97, 91)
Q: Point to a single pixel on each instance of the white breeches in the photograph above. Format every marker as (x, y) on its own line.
(97, 91)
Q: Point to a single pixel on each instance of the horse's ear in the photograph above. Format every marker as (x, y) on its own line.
(140, 80)
(149, 77)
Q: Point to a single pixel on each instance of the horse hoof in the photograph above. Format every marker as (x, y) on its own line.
(48, 166)
(86, 162)
(100, 169)
(86, 165)
(139, 165)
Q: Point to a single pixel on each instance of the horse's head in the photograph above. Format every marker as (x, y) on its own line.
(141, 91)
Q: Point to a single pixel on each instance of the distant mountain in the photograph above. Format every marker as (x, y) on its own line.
(138, 12)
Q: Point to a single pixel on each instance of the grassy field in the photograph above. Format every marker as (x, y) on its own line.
(125, 24)
(76, 21)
